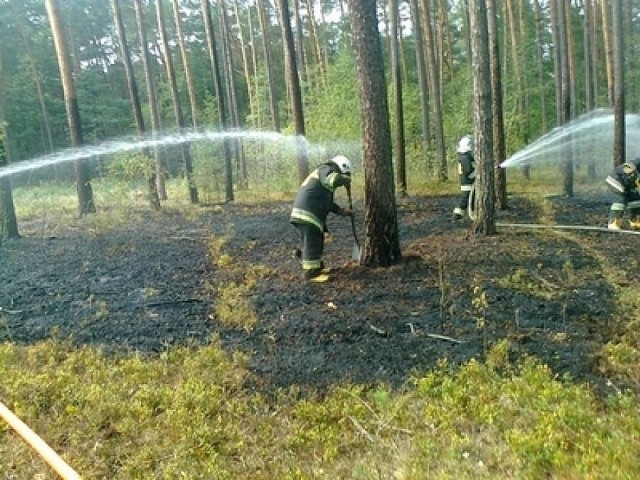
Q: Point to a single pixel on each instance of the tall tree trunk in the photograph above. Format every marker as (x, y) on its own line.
(607, 35)
(467, 30)
(294, 88)
(423, 84)
(8, 220)
(434, 85)
(134, 97)
(218, 87)
(315, 39)
(484, 208)
(517, 62)
(571, 63)
(301, 59)
(186, 65)
(542, 90)
(619, 150)
(445, 34)
(256, 119)
(151, 98)
(266, 50)
(246, 65)
(175, 100)
(83, 179)
(595, 49)
(401, 168)
(588, 55)
(632, 97)
(230, 84)
(499, 147)
(565, 92)
(382, 240)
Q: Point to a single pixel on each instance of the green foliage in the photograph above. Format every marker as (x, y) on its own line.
(131, 167)
(332, 113)
(188, 414)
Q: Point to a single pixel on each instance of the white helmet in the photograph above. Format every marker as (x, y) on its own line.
(466, 144)
(343, 164)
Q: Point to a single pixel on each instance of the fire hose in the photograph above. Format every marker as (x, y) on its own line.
(45, 451)
(566, 227)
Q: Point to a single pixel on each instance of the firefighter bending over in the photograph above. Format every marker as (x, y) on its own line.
(311, 208)
(624, 181)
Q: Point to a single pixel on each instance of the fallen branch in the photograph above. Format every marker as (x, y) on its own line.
(443, 337)
(10, 312)
(172, 302)
(379, 331)
(362, 430)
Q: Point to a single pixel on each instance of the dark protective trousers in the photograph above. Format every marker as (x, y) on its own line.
(312, 246)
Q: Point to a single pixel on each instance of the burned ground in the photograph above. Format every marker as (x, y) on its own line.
(152, 283)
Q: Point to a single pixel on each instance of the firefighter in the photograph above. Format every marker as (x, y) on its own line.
(624, 181)
(311, 208)
(466, 170)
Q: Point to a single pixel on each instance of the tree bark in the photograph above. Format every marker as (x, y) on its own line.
(382, 241)
(175, 100)
(8, 220)
(266, 50)
(186, 65)
(217, 85)
(499, 147)
(589, 54)
(401, 167)
(423, 85)
(151, 99)
(83, 180)
(434, 84)
(294, 88)
(619, 150)
(134, 97)
(483, 203)
(607, 35)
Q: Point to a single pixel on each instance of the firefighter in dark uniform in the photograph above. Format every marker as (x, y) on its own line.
(466, 170)
(624, 181)
(311, 208)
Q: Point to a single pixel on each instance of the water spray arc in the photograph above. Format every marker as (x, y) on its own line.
(129, 144)
(590, 135)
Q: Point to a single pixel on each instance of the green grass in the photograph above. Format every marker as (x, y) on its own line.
(189, 413)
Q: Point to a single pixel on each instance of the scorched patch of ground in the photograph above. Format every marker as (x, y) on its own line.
(151, 284)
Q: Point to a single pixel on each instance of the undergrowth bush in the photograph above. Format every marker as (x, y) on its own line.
(189, 413)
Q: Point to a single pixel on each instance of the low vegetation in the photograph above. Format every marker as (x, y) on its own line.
(187, 414)
(191, 412)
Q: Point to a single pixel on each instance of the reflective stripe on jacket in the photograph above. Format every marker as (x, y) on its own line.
(315, 197)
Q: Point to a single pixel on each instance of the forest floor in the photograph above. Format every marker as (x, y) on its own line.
(159, 280)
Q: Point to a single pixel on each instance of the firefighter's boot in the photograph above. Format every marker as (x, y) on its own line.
(634, 218)
(316, 275)
(634, 223)
(615, 224)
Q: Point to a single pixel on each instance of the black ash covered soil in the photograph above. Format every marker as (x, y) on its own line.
(151, 284)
